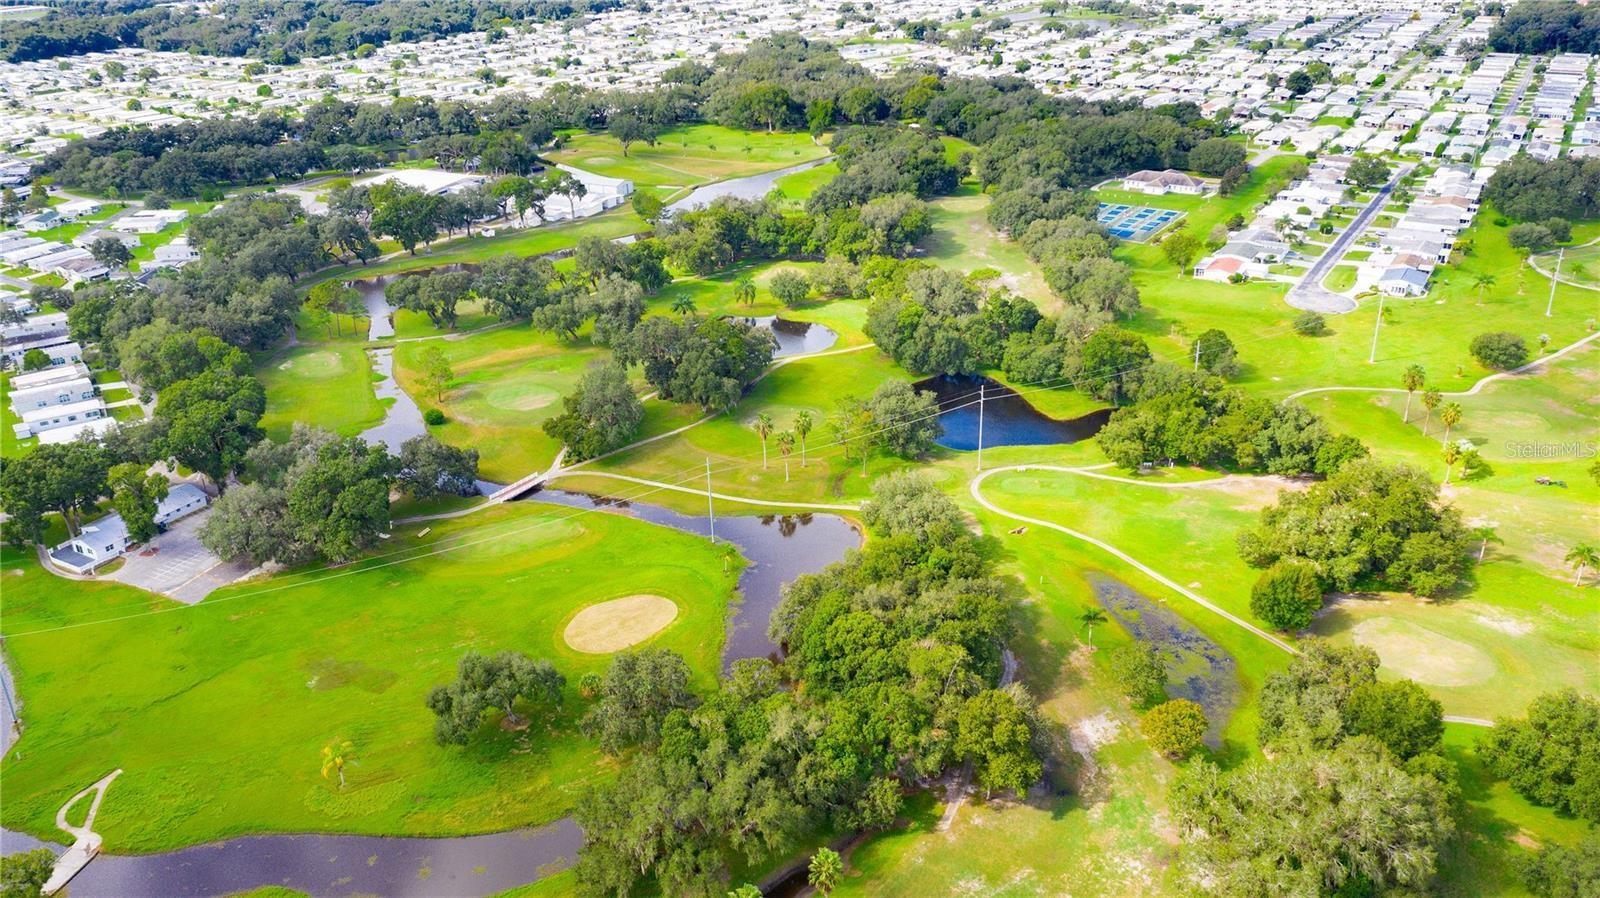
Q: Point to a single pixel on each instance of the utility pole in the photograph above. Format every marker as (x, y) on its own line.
(1554, 279)
(711, 511)
(980, 425)
(1373, 355)
(1197, 355)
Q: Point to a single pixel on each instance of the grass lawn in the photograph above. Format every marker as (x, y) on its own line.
(217, 712)
(1580, 264)
(798, 187)
(963, 240)
(689, 156)
(1340, 279)
(10, 446)
(328, 385)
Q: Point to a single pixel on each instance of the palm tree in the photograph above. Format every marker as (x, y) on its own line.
(1413, 379)
(744, 290)
(802, 426)
(684, 305)
(1452, 454)
(1089, 619)
(335, 755)
(1485, 535)
(1584, 556)
(1430, 401)
(763, 428)
(1482, 282)
(1450, 416)
(825, 869)
(746, 891)
(786, 446)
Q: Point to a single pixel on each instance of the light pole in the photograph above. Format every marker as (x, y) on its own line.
(1373, 355)
(711, 511)
(980, 425)
(1555, 279)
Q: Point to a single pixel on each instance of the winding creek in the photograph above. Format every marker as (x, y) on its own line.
(752, 187)
(778, 547)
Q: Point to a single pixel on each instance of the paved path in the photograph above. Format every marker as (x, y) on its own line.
(1473, 391)
(810, 506)
(86, 842)
(1309, 293)
(1533, 261)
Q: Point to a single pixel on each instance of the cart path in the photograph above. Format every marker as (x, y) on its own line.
(1473, 390)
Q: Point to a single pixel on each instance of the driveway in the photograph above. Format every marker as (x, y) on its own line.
(176, 565)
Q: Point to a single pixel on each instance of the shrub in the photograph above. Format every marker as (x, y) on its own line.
(1500, 350)
(433, 417)
(1175, 728)
(1310, 324)
(1139, 670)
(1286, 596)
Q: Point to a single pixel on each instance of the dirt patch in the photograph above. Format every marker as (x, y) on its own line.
(615, 625)
(1496, 620)
(1257, 492)
(1086, 735)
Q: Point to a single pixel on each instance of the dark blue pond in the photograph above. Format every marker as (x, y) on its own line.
(1008, 419)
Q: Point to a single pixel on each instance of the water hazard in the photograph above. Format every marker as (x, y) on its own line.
(1008, 419)
(794, 337)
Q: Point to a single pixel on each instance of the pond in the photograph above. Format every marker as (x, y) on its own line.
(794, 337)
(779, 548)
(1008, 418)
(753, 187)
(1197, 668)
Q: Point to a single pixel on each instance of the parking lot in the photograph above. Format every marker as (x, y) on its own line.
(176, 565)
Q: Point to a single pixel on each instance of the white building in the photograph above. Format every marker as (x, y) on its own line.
(107, 539)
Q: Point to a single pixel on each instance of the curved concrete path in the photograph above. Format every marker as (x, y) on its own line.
(1471, 391)
(86, 842)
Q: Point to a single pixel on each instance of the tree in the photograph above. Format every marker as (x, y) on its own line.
(1500, 350)
(335, 298)
(1451, 455)
(1214, 156)
(67, 478)
(409, 216)
(1286, 596)
(211, 420)
(1175, 728)
(1181, 249)
(802, 426)
(1141, 672)
(744, 290)
(250, 523)
(824, 870)
(337, 497)
(23, 875)
(1089, 619)
(335, 756)
(785, 447)
(564, 183)
(1552, 756)
(647, 206)
(493, 682)
(1485, 535)
(1400, 714)
(1312, 822)
(1450, 416)
(763, 429)
(1557, 871)
(437, 372)
(905, 420)
(1430, 401)
(602, 413)
(1413, 379)
(789, 287)
(136, 494)
(36, 360)
(1529, 237)
(1215, 353)
(684, 304)
(1367, 171)
(429, 468)
(995, 734)
(1299, 83)
(638, 693)
(110, 252)
(1582, 556)
(628, 129)
(1112, 361)
(1310, 324)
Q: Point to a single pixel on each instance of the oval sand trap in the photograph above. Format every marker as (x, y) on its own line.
(613, 626)
(1424, 655)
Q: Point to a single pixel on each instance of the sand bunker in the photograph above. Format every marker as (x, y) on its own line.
(615, 625)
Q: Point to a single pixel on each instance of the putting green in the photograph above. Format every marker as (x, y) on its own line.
(520, 396)
(321, 365)
(1424, 655)
(615, 625)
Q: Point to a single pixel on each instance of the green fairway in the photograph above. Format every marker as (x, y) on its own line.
(964, 241)
(327, 385)
(689, 156)
(217, 712)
